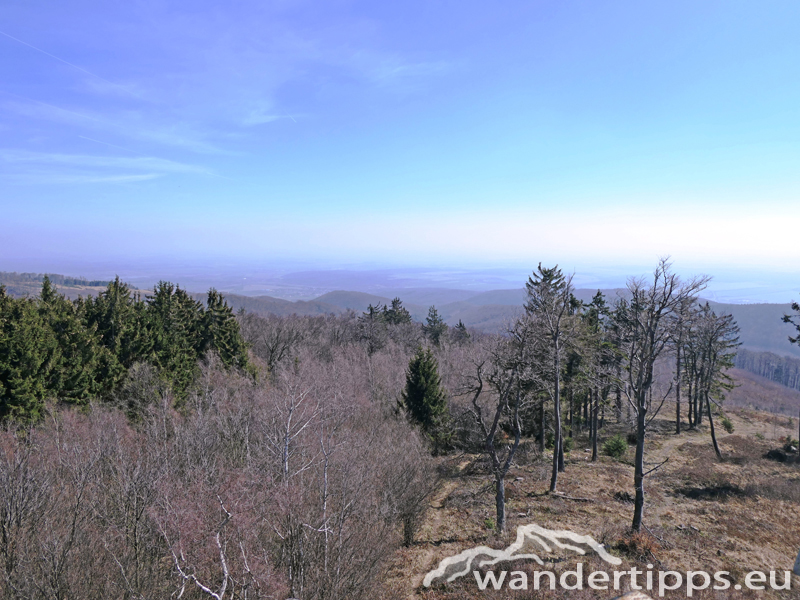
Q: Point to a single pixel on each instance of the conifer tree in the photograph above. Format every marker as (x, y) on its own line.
(120, 322)
(423, 397)
(28, 350)
(397, 314)
(548, 305)
(81, 368)
(174, 325)
(372, 329)
(434, 328)
(221, 332)
(460, 333)
(794, 320)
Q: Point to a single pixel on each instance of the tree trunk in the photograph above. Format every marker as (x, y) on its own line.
(543, 426)
(571, 412)
(638, 476)
(678, 391)
(713, 433)
(500, 501)
(603, 409)
(585, 405)
(594, 427)
(557, 456)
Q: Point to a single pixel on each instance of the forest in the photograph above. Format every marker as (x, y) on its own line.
(155, 446)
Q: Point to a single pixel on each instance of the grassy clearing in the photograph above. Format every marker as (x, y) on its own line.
(739, 515)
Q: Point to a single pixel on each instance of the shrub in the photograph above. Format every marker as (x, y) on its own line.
(489, 523)
(727, 424)
(789, 443)
(760, 436)
(550, 440)
(640, 545)
(632, 438)
(615, 447)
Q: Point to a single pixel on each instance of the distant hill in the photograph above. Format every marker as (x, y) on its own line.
(30, 284)
(754, 391)
(267, 305)
(354, 300)
(762, 327)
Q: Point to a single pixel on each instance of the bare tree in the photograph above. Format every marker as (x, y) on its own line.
(645, 335)
(497, 394)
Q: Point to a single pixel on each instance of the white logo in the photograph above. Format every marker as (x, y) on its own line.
(459, 565)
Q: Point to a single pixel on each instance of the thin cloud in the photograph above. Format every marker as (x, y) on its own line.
(64, 61)
(41, 178)
(130, 124)
(149, 163)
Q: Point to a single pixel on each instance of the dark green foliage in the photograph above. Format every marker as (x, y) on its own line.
(727, 424)
(397, 314)
(28, 350)
(460, 333)
(794, 320)
(550, 439)
(435, 327)
(72, 351)
(372, 329)
(174, 325)
(221, 332)
(120, 321)
(423, 397)
(615, 447)
(81, 368)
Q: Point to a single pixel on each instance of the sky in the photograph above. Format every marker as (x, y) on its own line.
(599, 135)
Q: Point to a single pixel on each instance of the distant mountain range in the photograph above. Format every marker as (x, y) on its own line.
(761, 326)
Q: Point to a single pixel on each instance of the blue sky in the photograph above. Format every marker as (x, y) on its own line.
(596, 134)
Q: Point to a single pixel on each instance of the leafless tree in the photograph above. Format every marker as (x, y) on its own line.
(646, 334)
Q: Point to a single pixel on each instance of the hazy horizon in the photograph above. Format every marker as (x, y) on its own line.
(269, 138)
(307, 280)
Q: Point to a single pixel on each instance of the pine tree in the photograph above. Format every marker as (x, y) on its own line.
(120, 321)
(81, 368)
(28, 350)
(397, 314)
(424, 398)
(372, 329)
(221, 332)
(460, 333)
(174, 324)
(434, 328)
(794, 320)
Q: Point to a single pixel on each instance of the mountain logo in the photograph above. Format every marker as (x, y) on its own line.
(529, 538)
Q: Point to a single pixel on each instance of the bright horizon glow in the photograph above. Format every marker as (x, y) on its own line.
(596, 135)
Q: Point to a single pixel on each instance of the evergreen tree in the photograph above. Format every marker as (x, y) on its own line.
(434, 328)
(550, 308)
(423, 397)
(397, 314)
(221, 332)
(794, 320)
(119, 319)
(81, 368)
(372, 329)
(28, 350)
(460, 333)
(174, 324)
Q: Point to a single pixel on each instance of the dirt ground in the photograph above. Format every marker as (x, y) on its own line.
(739, 515)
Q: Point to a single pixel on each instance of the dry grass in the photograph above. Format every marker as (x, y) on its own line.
(737, 515)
